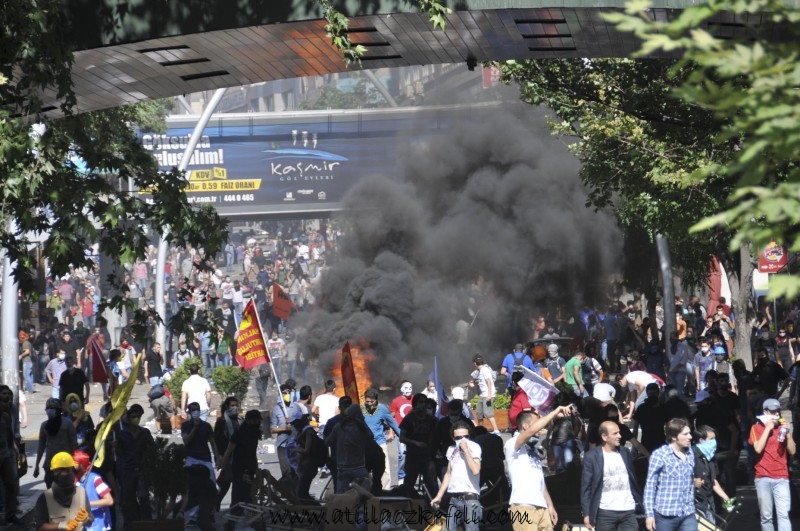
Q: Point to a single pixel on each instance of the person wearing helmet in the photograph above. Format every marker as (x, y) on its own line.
(97, 491)
(57, 434)
(65, 505)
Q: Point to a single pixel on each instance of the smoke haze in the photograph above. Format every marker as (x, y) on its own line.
(488, 226)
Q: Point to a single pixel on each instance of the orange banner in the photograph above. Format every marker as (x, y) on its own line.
(251, 349)
(349, 374)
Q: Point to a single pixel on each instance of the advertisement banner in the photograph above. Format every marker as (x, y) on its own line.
(289, 168)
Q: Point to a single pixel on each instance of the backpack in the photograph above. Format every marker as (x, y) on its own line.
(518, 362)
(319, 452)
(155, 392)
(588, 371)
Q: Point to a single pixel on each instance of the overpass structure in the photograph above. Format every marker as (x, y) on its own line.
(133, 50)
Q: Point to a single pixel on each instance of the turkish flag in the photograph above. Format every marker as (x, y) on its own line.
(349, 374)
(251, 349)
(281, 303)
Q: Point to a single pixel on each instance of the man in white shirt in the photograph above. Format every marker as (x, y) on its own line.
(604, 392)
(485, 378)
(277, 352)
(325, 406)
(196, 389)
(462, 481)
(609, 491)
(530, 506)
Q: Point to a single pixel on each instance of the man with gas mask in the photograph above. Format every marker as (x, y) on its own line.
(64, 506)
(57, 434)
(131, 443)
(279, 425)
(242, 462)
(400, 407)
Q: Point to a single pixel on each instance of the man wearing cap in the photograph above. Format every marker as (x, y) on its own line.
(64, 506)
(772, 440)
(483, 375)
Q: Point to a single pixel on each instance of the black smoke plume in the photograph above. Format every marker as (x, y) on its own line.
(487, 227)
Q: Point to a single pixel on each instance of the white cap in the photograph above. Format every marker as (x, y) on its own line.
(458, 393)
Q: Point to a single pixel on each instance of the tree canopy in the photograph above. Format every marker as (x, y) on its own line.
(749, 84)
(71, 182)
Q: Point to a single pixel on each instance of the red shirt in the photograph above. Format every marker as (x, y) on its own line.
(770, 463)
(519, 403)
(400, 407)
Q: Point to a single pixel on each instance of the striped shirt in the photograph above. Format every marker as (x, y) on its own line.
(669, 490)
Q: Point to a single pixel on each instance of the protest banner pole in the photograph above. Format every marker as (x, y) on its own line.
(269, 357)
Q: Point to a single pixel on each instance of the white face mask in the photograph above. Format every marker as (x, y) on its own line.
(704, 350)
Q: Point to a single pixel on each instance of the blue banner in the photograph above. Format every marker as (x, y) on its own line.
(307, 167)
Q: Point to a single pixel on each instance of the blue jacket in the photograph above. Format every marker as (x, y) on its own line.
(592, 481)
(376, 421)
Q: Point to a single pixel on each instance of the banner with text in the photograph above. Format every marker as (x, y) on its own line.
(251, 350)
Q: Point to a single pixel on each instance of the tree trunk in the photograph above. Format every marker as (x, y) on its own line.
(741, 283)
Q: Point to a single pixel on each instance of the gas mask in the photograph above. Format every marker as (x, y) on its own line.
(406, 390)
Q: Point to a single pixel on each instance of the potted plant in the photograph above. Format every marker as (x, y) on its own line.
(231, 381)
(501, 404)
(162, 468)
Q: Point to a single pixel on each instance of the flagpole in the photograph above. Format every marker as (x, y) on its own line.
(271, 365)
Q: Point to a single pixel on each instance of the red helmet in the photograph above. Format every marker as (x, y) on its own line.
(82, 461)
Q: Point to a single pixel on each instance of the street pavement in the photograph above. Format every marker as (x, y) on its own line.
(746, 519)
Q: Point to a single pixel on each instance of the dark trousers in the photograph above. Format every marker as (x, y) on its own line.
(416, 466)
(306, 473)
(241, 492)
(135, 496)
(616, 521)
(10, 484)
(611, 352)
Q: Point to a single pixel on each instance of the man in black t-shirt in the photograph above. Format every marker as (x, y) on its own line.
(152, 369)
(73, 380)
(198, 441)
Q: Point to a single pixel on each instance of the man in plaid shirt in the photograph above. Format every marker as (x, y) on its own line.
(669, 491)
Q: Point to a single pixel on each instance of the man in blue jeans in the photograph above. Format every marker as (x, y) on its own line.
(771, 438)
(462, 481)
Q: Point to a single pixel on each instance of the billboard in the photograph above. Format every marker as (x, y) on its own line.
(278, 163)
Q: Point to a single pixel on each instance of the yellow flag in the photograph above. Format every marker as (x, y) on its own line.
(119, 404)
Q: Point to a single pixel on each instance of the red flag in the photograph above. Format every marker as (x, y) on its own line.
(281, 303)
(349, 374)
(97, 361)
(251, 349)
